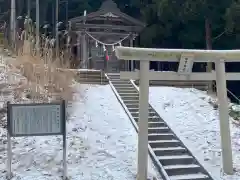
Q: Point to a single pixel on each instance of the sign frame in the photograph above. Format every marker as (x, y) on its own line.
(10, 124)
(10, 133)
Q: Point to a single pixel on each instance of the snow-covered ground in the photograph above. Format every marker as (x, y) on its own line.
(196, 122)
(101, 143)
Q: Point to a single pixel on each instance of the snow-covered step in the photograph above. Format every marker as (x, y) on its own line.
(136, 110)
(122, 80)
(121, 85)
(152, 122)
(155, 119)
(161, 151)
(116, 82)
(135, 114)
(120, 91)
(129, 90)
(164, 143)
(176, 159)
(152, 130)
(114, 78)
(128, 94)
(91, 77)
(131, 101)
(156, 124)
(132, 105)
(150, 119)
(125, 88)
(182, 169)
(113, 75)
(198, 176)
(161, 136)
(133, 97)
(133, 109)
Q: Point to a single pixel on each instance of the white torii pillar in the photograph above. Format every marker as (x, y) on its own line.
(143, 121)
(224, 117)
(145, 55)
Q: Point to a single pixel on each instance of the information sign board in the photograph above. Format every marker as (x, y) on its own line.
(36, 119)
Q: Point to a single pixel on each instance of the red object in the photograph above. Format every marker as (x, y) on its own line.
(107, 57)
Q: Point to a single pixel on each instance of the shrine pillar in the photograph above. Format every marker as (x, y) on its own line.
(78, 48)
(131, 45)
(84, 50)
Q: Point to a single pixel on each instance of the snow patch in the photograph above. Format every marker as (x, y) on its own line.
(101, 143)
(196, 123)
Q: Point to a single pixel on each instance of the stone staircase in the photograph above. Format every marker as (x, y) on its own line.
(173, 159)
(91, 77)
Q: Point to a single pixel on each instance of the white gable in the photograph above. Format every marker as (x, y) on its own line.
(110, 14)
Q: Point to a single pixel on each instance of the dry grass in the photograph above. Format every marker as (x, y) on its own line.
(46, 78)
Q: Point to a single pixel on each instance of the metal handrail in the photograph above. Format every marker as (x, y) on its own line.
(231, 93)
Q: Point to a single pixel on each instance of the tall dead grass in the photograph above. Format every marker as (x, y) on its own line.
(46, 79)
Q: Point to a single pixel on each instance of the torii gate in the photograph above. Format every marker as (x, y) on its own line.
(186, 58)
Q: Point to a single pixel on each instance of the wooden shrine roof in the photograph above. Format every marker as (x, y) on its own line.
(109, 10)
